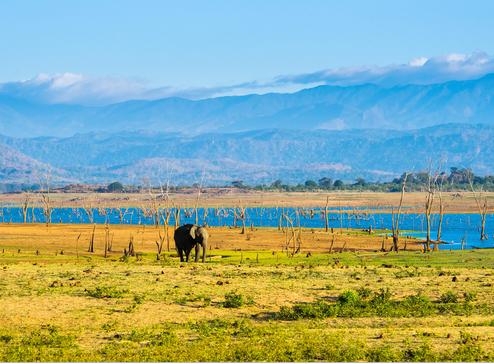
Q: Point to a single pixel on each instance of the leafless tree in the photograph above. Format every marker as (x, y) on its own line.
(46, 200)
(482, 206)
(25, 206)
(199, 189)
(239, 213)
(289, 235)
(88, 208)
(441, 210)
(430, 190)
(395, 218)
(326, 215)
(91, 240)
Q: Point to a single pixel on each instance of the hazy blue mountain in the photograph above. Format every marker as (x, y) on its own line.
(16, 167)
(260, 156)
(325, 107)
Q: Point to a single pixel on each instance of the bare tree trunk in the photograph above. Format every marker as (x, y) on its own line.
(91, 241)
(326, 217)
(482, 206)
(25, 207)
(395, 219)
(441, 217)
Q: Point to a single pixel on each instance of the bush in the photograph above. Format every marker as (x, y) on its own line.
(364, 292)
(469, 297)
(449, 297)
(349, 298)
(351, 304)
(105, 292)
(115, 187)
(233, 300)
(469, 349)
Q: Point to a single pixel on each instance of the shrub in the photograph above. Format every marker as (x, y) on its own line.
(469, 349)
(469, 297)
(364, 292)
(350, 304)
(423, 353)
(449, 297)
(233, 300)
(105, 292)
(115, 187)
(349, 298)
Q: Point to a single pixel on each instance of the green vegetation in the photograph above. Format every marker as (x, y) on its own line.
(379, 304)
(248, 306)
(457, 180)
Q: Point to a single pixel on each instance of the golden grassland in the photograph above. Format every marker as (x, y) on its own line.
(74, 238)
(59, 302)
(227, 197)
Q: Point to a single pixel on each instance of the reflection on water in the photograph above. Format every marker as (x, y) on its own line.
(456, 227)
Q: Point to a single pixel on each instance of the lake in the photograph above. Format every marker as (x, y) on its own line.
(456, 227)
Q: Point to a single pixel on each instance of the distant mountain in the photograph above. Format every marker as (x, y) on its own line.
(16, 167)
(326, 107)
(259, 156)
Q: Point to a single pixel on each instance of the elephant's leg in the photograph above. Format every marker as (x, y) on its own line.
(187, 254)
(181, 254)
(197, 248)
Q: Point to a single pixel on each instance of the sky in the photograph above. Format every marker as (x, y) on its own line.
(210, 44)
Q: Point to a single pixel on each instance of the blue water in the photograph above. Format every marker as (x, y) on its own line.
(456, 227)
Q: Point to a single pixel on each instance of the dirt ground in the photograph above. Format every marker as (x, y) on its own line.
(226, 197)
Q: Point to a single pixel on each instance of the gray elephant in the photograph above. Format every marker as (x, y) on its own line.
(191, 236)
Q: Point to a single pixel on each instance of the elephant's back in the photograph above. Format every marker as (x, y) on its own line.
(182, 230)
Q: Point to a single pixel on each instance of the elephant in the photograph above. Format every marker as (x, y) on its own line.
(190, 236)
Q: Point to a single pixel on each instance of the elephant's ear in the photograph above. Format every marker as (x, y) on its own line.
(192, 231)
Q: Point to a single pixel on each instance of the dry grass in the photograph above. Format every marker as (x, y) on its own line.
(454, 201)
(126, 309)
(74, 238)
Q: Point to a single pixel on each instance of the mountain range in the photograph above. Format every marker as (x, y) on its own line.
(344, 132)
(366, 106)
(259, 156)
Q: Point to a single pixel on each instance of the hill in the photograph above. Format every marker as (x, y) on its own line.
(365, 106)
(259, 156)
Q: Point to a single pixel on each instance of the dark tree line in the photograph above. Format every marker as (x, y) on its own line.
(457, 179)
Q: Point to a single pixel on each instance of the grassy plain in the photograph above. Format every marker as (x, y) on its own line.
(249, 301)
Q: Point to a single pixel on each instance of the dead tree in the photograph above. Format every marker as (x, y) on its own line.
(130, 251)
(326, 217)
(332, 243)
(165, 218)
(441, 213)
(88, 208)
(240, 215)
(46, 201)
(196, 206)
(299, 234)
(77, 245)
(91, 240)
(395, 218)
(159, 245)
(482, 206)
(108, 239)
(25, 206)
(177, 216)
(289, 235)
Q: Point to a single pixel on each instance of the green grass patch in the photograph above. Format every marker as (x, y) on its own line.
(363, 303)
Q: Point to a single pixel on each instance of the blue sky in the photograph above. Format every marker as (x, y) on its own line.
(185, 44)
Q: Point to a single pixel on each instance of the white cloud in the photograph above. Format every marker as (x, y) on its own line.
(418, 62)
(77, 88)
(419, 70)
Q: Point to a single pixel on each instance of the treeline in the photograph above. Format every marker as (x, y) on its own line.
(458, 179)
